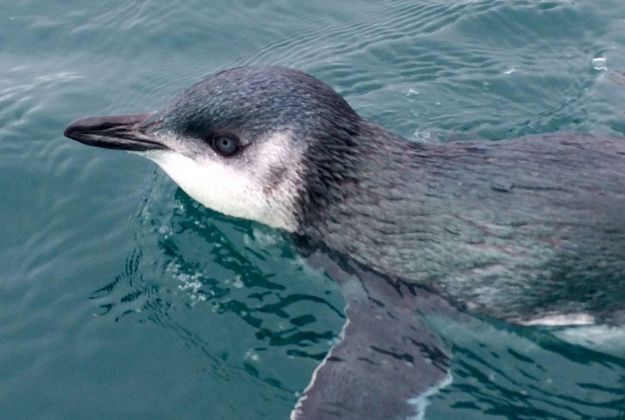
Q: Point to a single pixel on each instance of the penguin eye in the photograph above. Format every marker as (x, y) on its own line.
(225, 145)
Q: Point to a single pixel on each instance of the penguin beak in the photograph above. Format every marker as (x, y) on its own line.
(122, 132)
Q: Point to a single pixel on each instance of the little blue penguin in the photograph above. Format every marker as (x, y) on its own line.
(529, 230)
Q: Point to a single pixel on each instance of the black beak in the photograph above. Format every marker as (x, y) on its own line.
(123, 132)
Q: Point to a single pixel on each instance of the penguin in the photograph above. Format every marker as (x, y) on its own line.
(530, 231)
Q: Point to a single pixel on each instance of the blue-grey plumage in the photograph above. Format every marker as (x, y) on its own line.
(528, 230)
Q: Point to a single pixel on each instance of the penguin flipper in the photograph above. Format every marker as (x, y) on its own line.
(387, 360)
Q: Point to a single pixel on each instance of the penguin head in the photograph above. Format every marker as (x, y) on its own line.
(242, 141)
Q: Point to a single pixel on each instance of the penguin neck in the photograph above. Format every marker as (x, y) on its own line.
(353, 165)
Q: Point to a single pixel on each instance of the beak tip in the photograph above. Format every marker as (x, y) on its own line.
(70, 131)
(81, 125)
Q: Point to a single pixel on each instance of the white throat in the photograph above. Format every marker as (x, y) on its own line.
(262, 185)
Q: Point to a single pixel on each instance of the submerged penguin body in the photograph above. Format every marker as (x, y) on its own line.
(530, 230)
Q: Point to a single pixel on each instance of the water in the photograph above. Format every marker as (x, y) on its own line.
(122, 298)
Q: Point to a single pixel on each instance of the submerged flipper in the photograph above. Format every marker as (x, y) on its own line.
(387, 361)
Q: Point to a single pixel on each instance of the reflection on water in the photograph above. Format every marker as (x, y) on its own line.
(121, 301)
(499, 369)
(185, 273)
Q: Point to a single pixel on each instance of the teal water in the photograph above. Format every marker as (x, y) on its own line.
(120, 297)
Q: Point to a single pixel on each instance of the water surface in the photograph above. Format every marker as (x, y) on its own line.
(120, 297)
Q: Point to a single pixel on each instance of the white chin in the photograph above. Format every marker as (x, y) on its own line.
(227, 188)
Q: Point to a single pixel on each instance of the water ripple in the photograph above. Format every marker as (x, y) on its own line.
(116, 282)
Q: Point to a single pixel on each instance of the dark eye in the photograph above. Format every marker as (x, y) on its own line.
(225, 145)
